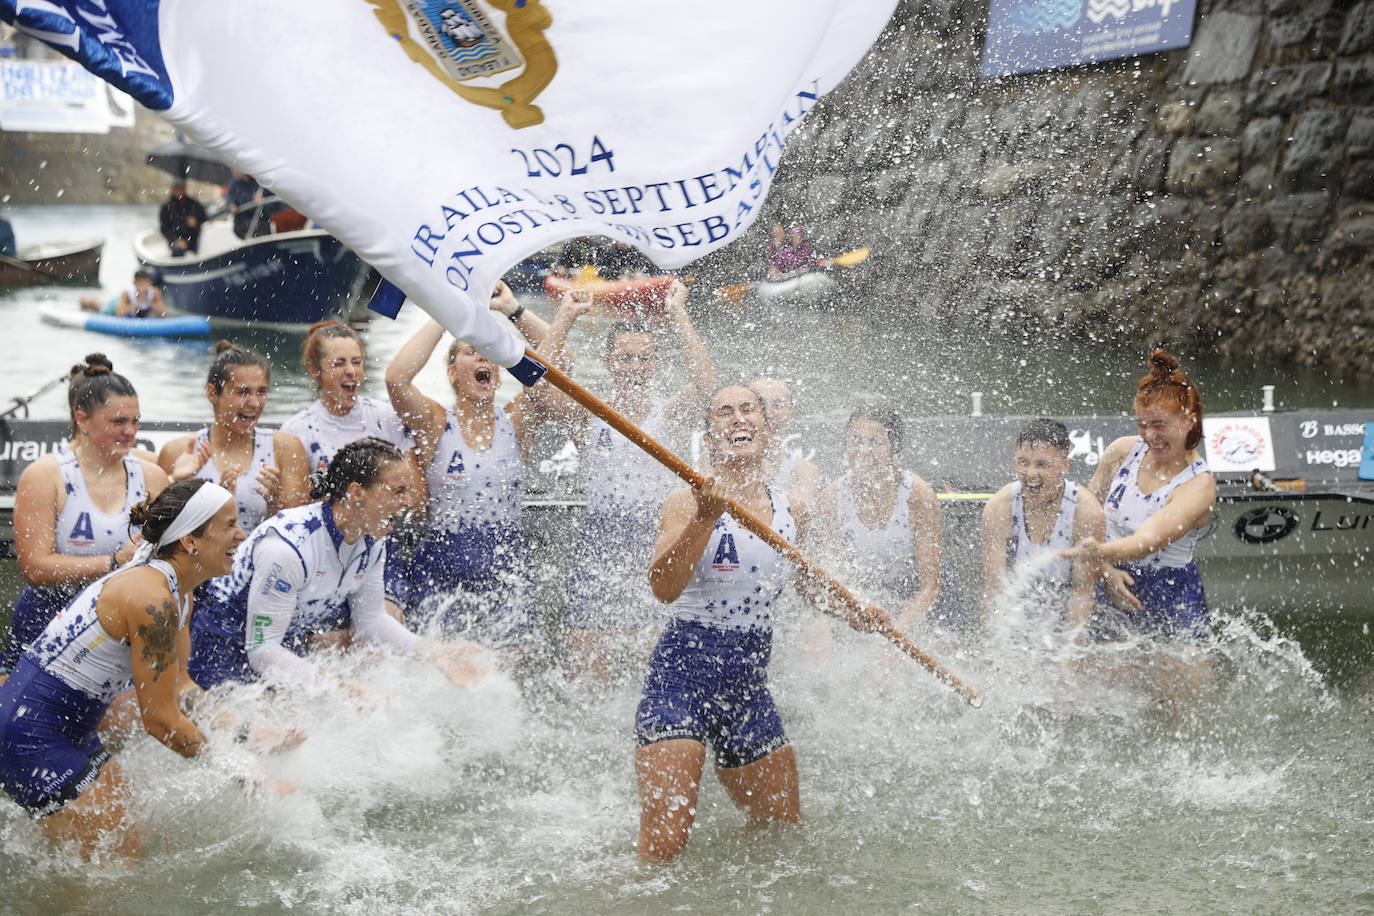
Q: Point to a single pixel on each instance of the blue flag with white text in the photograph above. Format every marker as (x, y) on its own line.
(445, 140)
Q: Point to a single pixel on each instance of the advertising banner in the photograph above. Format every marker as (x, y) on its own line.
(1025, 36)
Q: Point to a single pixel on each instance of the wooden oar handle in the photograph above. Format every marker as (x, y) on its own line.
(751, 522)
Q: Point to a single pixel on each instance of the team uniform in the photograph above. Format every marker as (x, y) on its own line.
(251, 505)
(1054, 577)
(707, 678)
(470, 572)
(1167, 581)
(607, 589)
(49, 708)
(885, 559)
(82, 531)
(294, 577)
(323, 434)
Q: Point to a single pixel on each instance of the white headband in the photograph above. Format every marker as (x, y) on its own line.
(199, 509)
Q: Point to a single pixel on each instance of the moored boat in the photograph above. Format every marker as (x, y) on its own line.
(77, 264)
(288, 280)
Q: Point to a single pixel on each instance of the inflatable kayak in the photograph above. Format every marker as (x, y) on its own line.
(640, 298)
(175, 326)
(805, 288)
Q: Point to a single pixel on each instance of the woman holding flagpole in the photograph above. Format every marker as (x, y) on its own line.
(707, 680)
(123, 630)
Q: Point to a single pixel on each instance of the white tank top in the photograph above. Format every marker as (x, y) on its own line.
(621, 476)
(252, 507)
(1127, 508)
(739, 577)
(143, 304)
(76, 649)
(1058, 573)
(884, 556)
(82, 529)
(470, 488)
(323, 434)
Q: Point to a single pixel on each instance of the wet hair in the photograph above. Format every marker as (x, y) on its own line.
(885, 417)
(229, 355)
(1166, 382)
(357, 462)
(143, 275)
(155, 516)
(621, 328)
(90, 384)
(312, 351)
(1047, 431)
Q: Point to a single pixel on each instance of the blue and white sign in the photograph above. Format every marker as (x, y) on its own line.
(1029, 35)
(445, 140)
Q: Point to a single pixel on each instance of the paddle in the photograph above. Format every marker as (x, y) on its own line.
(672, 462)
(737, 291)
(22, 403)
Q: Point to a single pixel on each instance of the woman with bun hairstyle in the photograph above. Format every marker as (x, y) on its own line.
(334, 357)
(311, 570)
(264, 469)
(1157, 496)
(122, 631)
(71, 508)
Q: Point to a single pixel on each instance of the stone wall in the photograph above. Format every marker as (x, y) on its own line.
(1219, 196)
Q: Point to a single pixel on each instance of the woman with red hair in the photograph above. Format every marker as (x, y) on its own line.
(1157, 495)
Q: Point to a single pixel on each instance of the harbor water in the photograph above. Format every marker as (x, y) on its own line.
(1068, 791)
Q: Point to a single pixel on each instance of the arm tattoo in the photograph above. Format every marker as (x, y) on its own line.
(159, 637)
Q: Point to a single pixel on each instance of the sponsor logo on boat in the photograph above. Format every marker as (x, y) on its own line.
(1356, 522)
(1266, 524)
(1340, 457)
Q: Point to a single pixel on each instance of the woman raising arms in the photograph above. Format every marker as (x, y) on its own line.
(71, 509)
(470, 572)
(265, 470)
(707, 680)
(121, 631)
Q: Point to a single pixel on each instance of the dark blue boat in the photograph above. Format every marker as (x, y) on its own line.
(288, 279)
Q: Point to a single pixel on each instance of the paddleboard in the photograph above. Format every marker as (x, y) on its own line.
(175, 326)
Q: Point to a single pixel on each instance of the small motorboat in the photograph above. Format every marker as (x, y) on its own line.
(171, 326)
(288, 280)
(76, 265)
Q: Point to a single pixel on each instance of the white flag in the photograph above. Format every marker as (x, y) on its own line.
(445, 140)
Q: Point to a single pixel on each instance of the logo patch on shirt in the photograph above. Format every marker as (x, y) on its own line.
(282, 586)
